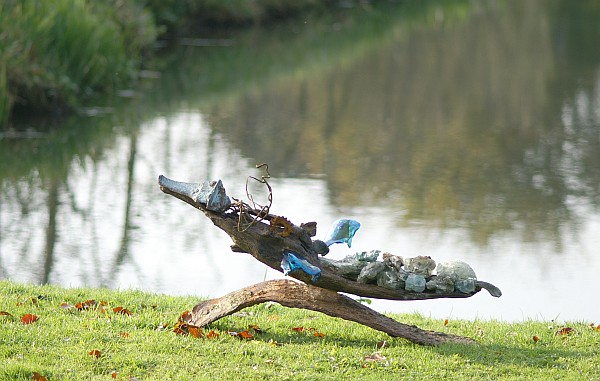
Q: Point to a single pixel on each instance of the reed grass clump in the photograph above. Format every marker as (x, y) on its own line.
(54, 52)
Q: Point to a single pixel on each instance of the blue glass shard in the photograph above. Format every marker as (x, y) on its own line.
(292, 262)
(213, 195)
(202, 191)
(217, 200)
(342, 231)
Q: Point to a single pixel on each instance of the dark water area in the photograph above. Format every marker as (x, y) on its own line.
(460, 130)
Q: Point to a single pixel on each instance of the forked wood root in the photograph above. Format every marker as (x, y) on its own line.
(299, 295)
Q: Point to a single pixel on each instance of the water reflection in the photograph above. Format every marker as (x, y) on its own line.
(464, 132)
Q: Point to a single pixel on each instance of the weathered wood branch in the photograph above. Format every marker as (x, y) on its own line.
(267, 246)
(299, 295)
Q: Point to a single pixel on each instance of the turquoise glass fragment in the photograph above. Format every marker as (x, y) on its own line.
(342, 231)
(213, 195)
(292, 262)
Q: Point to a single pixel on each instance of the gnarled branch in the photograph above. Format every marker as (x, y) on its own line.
(294, 294)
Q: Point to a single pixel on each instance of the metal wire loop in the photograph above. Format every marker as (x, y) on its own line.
(251, 214)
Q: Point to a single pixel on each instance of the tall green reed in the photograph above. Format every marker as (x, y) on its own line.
(55, 52)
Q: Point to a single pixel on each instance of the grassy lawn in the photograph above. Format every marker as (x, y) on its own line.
(70, 341)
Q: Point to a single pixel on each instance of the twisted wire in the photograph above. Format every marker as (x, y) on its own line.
(249, 215)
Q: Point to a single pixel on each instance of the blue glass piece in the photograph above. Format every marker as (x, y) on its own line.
(201, 192)
(185, 189)
(342, 231)
(292, 262)
(211, 193)
(217, 200)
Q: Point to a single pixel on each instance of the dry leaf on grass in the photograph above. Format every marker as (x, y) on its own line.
(95, 353)
(29, 318)
(38, 377)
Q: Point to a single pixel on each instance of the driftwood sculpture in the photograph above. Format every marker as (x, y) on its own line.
(285, 247)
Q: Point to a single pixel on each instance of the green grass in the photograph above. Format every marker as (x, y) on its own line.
(57, 345)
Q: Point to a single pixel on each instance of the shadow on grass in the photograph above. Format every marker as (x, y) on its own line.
(508, 352)
(304, 327)
(520, 356)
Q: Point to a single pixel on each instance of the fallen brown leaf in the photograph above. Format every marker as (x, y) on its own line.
(382, 344)
(29, 318)
(95, 353)
(245, 335)
(255, 328)
(122, 311)
(90, 303)
(565, 331)
(38, 377)
(195, 331)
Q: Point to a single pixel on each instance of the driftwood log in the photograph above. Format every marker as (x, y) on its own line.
(267, 243)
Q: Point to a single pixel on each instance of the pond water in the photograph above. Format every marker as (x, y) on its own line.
(466, 130)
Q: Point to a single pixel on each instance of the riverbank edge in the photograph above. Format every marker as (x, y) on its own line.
(54, 55)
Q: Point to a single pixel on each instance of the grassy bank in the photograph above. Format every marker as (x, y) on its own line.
(55, 53)
(69, 340)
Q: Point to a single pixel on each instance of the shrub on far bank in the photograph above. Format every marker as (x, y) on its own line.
(53, 53)
(185, 15)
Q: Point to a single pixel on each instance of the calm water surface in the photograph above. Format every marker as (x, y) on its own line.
(467, 131)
